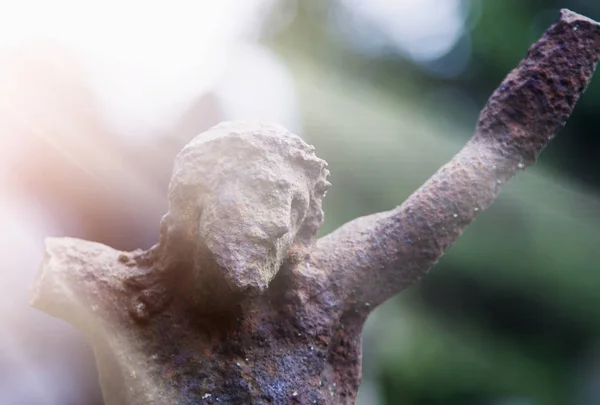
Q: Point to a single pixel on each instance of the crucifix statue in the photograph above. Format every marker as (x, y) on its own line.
(239, 302)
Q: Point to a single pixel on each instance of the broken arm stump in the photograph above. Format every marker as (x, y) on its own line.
(239, 302)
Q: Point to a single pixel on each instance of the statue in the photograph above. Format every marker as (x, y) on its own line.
(239, 302)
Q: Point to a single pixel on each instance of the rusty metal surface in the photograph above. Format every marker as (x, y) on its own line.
(535, 100)
(256, 311)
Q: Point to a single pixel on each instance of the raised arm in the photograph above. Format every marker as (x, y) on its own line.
(374, 257)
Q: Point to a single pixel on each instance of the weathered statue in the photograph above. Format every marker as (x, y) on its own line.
(239, 302)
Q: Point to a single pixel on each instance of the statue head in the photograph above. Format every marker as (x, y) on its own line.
(242, 198)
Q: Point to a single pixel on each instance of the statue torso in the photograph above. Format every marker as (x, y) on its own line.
(280, 347)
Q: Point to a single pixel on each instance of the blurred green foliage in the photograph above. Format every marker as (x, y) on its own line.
(511, 315)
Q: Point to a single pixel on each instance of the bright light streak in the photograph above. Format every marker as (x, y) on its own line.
(256, 86)
(21, 234)
(146, 61)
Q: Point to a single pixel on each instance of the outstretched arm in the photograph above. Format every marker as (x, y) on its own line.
(374, 257)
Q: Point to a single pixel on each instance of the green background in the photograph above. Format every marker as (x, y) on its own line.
(511, 314)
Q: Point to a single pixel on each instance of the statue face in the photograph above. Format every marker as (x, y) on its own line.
(250, 221)
(238, 198)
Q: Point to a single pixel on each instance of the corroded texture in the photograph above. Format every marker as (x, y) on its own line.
(535, 99)
(239, 303)
(393, 249)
